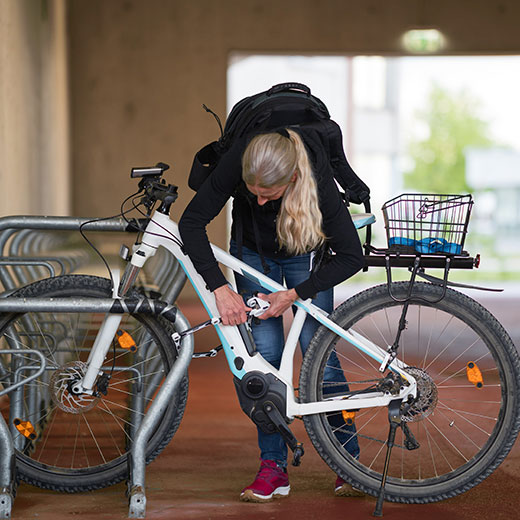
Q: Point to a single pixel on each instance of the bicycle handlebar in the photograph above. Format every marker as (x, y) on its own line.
(154, 187)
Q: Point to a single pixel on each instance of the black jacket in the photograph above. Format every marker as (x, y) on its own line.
(226, 180)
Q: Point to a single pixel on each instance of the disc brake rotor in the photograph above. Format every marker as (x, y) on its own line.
(61, 384)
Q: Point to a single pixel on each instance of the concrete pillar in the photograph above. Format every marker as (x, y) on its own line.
(34, 129)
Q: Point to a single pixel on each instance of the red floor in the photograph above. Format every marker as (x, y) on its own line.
(214, 455)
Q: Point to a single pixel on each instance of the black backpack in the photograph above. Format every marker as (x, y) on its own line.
(283, 105)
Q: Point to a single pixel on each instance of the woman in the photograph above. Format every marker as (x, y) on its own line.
(286, 207)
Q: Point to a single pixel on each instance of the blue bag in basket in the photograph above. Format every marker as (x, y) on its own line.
(427, 245)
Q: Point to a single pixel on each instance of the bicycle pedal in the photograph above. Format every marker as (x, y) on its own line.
(298, 453)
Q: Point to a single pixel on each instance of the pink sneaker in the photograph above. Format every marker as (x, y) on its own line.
(344, 489)
(271, 482)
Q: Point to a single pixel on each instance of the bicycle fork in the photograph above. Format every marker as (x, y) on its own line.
(107, 331)
(102, 343)
(97, 355)
(111, 322)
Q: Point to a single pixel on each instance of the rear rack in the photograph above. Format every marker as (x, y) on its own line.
(384, 257)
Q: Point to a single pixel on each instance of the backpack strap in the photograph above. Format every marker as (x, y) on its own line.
(356, 190)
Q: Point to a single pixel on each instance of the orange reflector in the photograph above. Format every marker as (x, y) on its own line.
(25, 428)
(348, 417)
(125, 340)
(474, 375)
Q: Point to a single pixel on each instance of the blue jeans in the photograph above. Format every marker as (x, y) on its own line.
(269, 339)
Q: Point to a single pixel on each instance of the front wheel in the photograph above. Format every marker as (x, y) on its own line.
(465, 418)
(75, 442)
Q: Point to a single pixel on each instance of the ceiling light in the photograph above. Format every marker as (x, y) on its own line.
(423, 41)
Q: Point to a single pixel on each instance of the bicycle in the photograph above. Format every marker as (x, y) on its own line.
(419, 358)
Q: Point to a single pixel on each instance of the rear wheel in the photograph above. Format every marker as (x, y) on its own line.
(466, 417)
(81, 442)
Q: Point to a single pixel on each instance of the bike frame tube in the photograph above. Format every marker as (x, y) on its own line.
(163, 232)
(99, 351)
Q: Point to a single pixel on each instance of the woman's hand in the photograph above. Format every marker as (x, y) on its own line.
(230, 305)
(280, 301)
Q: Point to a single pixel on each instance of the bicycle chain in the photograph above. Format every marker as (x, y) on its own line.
(338, 383)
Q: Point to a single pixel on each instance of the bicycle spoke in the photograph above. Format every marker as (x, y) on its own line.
(481, 416)
(61, 446)
(137, 378)
(114, 441)
(49, 429)
(75, 444)
(446, 439)
(443, 351)
(439, 449)
(460, 431)
(117, 419)
(121, 406)
(47, 344)
(93, 437)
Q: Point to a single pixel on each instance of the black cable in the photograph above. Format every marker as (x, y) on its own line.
(173, 238)
(121, 214)
(216, 117)
(113, 358)
(122, 208)
(141, 230)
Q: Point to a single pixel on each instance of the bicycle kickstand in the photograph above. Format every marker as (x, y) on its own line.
(394, 418)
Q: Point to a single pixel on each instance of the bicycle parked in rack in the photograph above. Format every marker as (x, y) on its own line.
(428, 376)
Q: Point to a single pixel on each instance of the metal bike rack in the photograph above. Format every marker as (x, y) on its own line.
(25, 235)
(137, 460)
(7, 453)
(26, 240)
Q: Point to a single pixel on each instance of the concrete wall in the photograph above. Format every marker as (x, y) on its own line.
(140, 70)
(34, 126)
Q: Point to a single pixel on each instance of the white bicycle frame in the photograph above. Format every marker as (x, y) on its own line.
(161, 231)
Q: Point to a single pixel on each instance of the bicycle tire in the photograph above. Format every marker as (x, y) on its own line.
(86, 450)
(464, 431)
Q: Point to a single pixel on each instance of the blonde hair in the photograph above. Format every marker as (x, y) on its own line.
(271, 160)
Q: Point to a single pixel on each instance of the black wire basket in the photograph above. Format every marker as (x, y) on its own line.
(427, 223)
